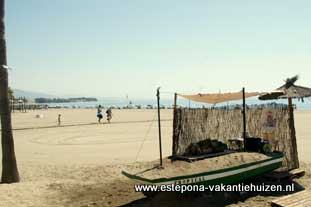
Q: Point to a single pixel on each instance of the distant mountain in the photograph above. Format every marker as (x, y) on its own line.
(31, 94)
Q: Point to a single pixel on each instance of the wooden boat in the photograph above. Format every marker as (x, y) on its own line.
(228, 175)
(201, 173)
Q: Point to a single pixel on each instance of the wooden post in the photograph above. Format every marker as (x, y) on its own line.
(159, 125)
(174, 141)
(293, 135)
(24, 101)
(175, 101)
(244, 118)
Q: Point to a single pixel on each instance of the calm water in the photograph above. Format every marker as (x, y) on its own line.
(169, 102)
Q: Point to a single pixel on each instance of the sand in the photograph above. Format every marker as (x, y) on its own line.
(80, 163)
(182, 168)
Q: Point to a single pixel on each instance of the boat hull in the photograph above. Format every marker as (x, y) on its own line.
(225, 176)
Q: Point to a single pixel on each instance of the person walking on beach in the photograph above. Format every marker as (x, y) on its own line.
(109, 114)
(99, 113)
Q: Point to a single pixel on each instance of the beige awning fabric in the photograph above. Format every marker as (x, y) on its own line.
(214, 98)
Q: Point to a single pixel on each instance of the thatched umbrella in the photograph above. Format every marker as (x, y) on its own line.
(289, 91)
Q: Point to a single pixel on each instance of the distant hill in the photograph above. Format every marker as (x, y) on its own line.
(31, 95)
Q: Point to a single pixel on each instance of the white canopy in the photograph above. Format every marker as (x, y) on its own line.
(214, 98)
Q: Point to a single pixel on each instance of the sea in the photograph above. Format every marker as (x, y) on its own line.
(168, 103)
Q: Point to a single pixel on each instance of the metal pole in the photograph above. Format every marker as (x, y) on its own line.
(159, 125)
(244, 118)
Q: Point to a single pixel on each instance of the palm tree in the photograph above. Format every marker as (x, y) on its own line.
(9, 166)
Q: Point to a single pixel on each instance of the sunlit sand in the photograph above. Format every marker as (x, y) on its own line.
(79, 163)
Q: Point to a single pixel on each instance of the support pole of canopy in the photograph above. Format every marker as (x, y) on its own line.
(159, 125)
(293, 132)
(175, 143)
(244, 118)
(175, 101)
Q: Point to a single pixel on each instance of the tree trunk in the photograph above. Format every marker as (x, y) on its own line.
(9, 166)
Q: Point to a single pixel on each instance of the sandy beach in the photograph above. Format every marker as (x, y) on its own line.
(79, 162)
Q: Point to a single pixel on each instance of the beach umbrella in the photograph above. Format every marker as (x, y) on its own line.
(289, 91)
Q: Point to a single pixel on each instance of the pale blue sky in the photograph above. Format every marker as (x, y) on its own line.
(117, 47)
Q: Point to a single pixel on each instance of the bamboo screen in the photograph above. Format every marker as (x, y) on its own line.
(193, 125)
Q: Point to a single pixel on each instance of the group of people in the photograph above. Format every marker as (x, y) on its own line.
(100, 114)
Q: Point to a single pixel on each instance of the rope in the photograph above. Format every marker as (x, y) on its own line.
(142, 143)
